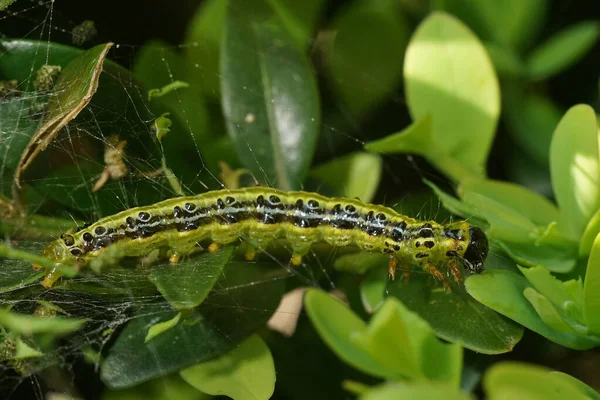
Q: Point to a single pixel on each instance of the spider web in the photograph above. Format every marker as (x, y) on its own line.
(75, 158)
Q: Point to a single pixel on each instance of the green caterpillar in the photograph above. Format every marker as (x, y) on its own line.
(260, 215)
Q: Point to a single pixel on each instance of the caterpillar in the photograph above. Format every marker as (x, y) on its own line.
(259, 215)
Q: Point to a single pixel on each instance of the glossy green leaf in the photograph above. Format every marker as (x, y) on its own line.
(591, 289)
(30, 324)
(531, 205)
(417, 391)
(300, 17)
(589, 235)
(456, 206)
(365, 57)
(246, 372)
(562, 50)
(463, 99)
(354, 175)
(272, 112)
(585, 389)
(163, 388)
(564, 295)
(337, 325)
(17, 126)
(455, 316)
(575, 169)
(522, 381)
(555, 259)
(546, 311)
(161, 327)
(234, 311)
(185, 285)
(503, 290)
(412, 139)
(531, 119)
(15, 274)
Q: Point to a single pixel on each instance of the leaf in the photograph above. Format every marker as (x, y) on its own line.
(5, 3)
(531, 120)
(555, 259)
(416, 391)
(455, 317)
(301, 18)
(161, 327)
(566, 296)
(463, 100)
(246, 372)
(506, 63)
(73, 90)
(336, 325)
(168, 88)
(355, 175)
(29, 324)
(163, 388)
(233, 311)
(360, 262)
(16, 129)
(185, 285)
(546, 311)
(562, 50)
(585, 389)
(365, 54)
(589, 235)
(272, 112)
(591, 289)
(502, 291)
(529, 204)
(518, 380)
(575, 169)
(15, 274)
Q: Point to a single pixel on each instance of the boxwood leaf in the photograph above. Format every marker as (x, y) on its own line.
(185, 285)
(562, 50)
(354, 175)
(502, 291)
(272, 110)
(591, 289)
(462, 100)
(575, 169)
(246, 372)
(518, 380)
(417, 391)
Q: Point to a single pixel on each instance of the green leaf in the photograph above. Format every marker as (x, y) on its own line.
(454, 205)
(566, 296)
(17, 127)
(246, 372)
(272, 113)
(575, 169)
(562, 50)
(589, 235)
(185, 285)
(168, 88)
(233, 312)
(29, 324)
(546, 311)
(555, 259)
(5, 3)
(531, 120)
(17, 273)
(506, 63)
(202, 53)
(337, 325)
(463, 99)
(417, 391)
(365, 57)
(300, 17)
(522, 381)
(163, 388)
(24, 351)
(161, 327)
(529, 204)
(585, 389)
(455, 316)
(591, 289)
(360, 262)
(354, 175)
(503, 290)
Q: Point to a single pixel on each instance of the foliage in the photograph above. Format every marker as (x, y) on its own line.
(270, 89)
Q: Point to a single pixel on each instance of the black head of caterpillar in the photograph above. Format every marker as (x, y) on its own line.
(477, 250)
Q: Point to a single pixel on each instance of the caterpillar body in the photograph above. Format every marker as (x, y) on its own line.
(259, 215)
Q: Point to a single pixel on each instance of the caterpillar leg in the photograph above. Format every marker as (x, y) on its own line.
(392, 265)
(250, 253)
(51, 277)
(406, 276)
(437, 274)
(455, 271)
(213, 247)
(296, 260)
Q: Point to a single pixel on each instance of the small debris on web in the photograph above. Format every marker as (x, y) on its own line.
(83, 32)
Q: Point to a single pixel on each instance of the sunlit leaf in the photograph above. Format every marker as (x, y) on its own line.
(246, 372)
(591, 289)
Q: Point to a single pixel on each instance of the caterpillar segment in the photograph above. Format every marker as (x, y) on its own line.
(260, 215)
